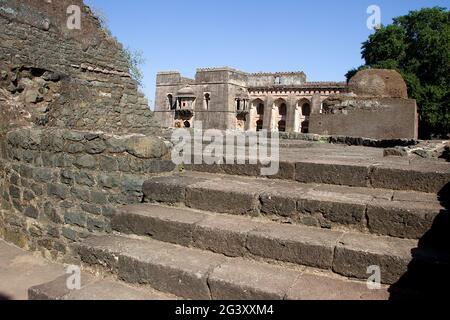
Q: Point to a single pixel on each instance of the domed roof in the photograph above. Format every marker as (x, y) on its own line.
(379, 83)
(186, 92)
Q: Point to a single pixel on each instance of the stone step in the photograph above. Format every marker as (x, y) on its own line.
(377, 211)
(202, 275)
(423, 176)
(344, 253)
(93, 288)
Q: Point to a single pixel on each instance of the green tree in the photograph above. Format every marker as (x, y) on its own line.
(418, 46)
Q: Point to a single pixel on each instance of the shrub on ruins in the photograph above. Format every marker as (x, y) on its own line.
(135, 58)
(418, 46)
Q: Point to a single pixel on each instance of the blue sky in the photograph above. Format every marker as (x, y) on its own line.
(322, 37)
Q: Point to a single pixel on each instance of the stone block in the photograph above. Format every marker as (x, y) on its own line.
(99, 197)
(60, 191)
(161, 223)
(85, 179)
(43, 175)
(170, 189)
(418, 179)
(318, 287)
(31, 212)
(146, 147)
(75, 218)
(52, 214)
(14, 192)
(74, 147)
(86, 161)
(246, 280)
(108, 163)
(402, 219)
(223, 234)
(95, 146)
(337, 210)
(332, 173)
(297, 244)
(355, 253)
(225, 196)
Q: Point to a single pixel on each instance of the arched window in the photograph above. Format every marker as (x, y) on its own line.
(170, 101)
(282, 126)
(238, 104)
(260, 109)
(259, 125)
(306, 109)
(207, 99)
(282, 110)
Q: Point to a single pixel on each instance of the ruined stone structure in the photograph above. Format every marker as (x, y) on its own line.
(377, 106)
(229, 99)
(85, 178)
(71, 127)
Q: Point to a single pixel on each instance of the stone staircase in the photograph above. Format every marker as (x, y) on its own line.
(313, 234)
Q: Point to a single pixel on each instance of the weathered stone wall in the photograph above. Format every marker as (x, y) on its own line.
(385, 118)
(77, 139)
(58, 185)
(54, 76)
(225, 85)
(377, 107)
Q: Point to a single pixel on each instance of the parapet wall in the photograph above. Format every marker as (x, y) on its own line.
(260, 80)
(58, 185)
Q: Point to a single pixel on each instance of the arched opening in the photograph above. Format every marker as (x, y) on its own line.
(256, 115)
(259, 125)
(170, 101)
(306, 112)
(306, 109)
(282, 110)
(279, 114)
(303, 112)
(260, 109)
(206, 100)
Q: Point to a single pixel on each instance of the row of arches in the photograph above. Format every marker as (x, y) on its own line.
(278, 117)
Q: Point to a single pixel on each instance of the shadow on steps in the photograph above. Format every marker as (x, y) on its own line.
(429, 280)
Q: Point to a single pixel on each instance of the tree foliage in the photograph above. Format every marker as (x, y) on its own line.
(418, 46)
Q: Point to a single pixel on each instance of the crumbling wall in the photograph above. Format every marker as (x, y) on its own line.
(55, 76)
(58, 185)
(376, 107)
(77, 139)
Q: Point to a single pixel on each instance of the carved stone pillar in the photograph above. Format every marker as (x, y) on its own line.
(290, 116)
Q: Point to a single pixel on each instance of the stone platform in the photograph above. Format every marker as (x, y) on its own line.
(24, 275)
